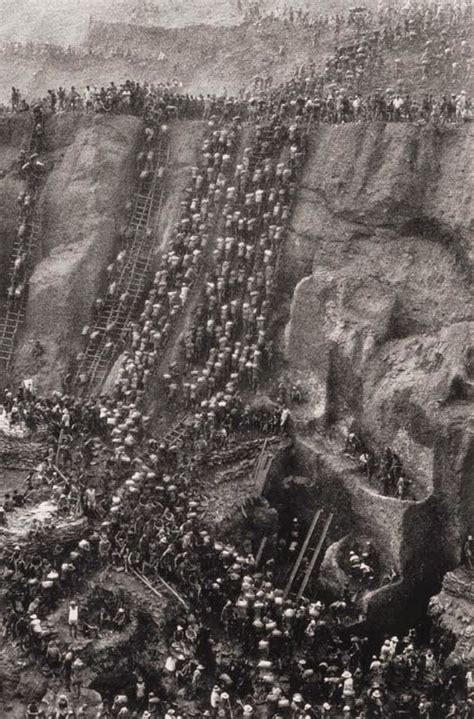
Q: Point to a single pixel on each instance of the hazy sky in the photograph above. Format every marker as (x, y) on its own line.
(66, 21)
(61, 21)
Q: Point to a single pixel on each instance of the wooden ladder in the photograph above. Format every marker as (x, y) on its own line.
(176, 434)
(302, 553)
(315, 557)
(305, 550)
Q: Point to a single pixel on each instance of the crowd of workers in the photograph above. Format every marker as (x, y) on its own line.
(305, 97)
(346, 89)
(30, 49)
(284, 657)
(386, 468)
(414, 19)
(226, 344)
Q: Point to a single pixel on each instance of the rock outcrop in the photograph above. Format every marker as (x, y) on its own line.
(381, 327)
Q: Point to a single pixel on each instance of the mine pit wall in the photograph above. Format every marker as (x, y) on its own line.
(406, 535)
(358, 510)
(379, 328)
(92, 161)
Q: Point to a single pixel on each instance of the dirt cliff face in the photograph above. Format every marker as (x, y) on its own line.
(90, 165)
(380, 330)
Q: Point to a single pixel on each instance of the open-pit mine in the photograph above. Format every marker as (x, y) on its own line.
(236, 360)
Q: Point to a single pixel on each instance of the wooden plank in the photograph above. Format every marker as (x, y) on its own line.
(58, 450)
(259, 460)
(260, 551)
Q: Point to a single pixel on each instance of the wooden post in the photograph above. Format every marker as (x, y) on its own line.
(60, 439)
(260, 551)
(56, 468)
(230, 709)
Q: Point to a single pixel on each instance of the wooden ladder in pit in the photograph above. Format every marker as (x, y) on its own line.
(134, 278)
(305, 552)
(15, 314)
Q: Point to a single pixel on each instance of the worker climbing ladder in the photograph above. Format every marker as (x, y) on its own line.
(15, 312)
(133, 281)
(308, 555)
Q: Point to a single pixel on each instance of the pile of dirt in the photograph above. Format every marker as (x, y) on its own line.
(66, 21)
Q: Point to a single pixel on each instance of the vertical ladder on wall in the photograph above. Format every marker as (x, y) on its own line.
(15, 313)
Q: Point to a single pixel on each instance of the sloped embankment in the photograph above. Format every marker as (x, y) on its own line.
(379, 270)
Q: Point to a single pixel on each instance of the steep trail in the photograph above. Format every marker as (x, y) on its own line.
(133, 274)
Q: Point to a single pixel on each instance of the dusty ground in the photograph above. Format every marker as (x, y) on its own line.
(57, 21)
